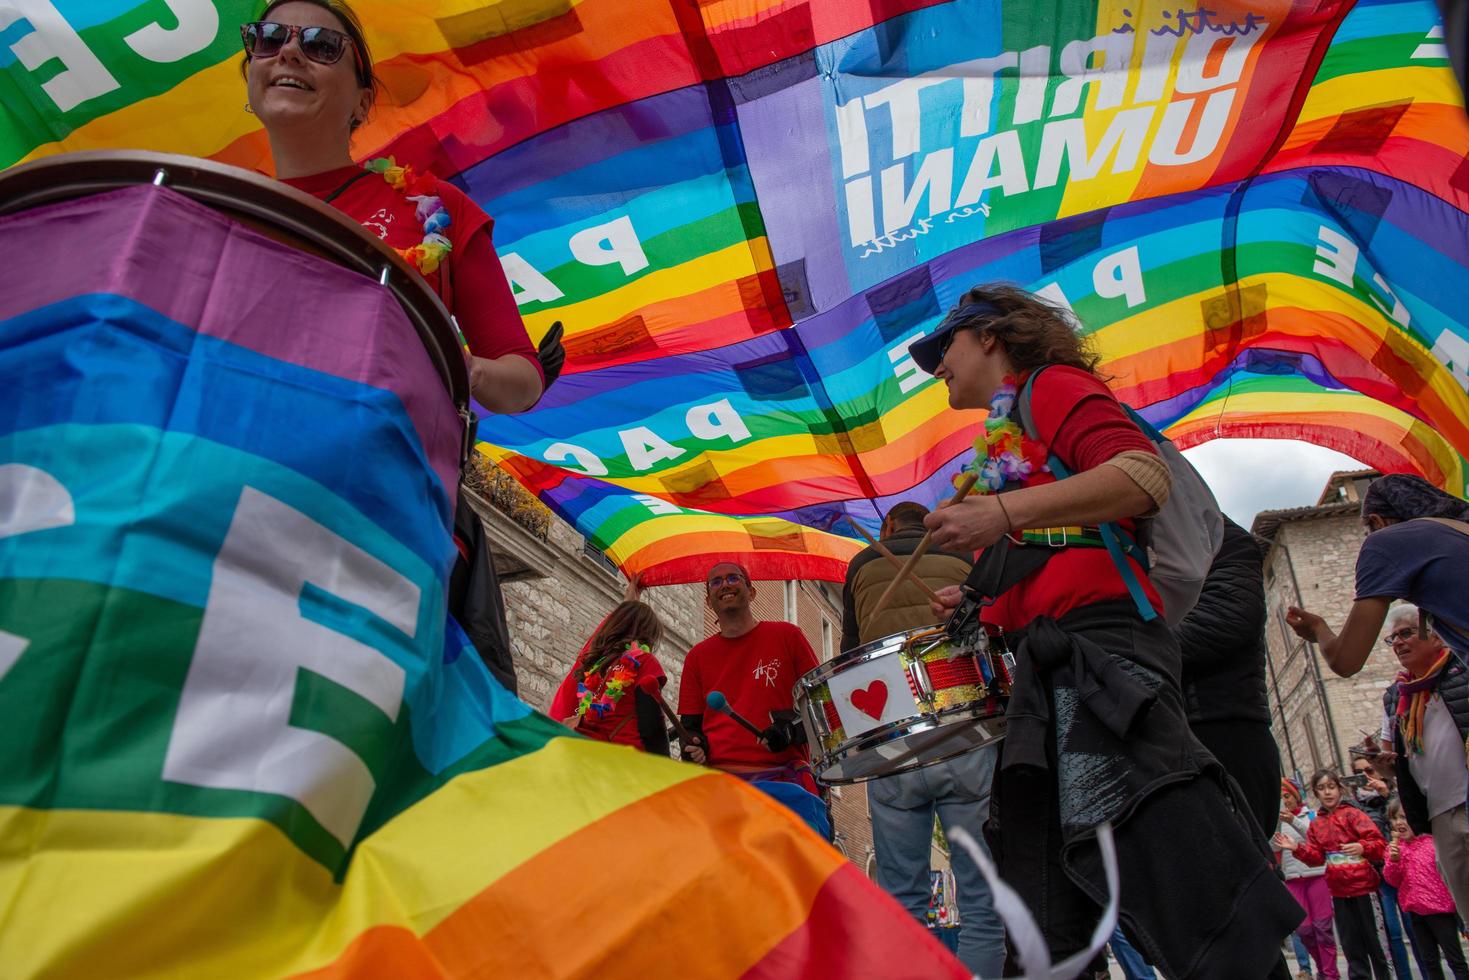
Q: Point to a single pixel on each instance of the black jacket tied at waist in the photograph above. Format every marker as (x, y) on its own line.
(1114, 696)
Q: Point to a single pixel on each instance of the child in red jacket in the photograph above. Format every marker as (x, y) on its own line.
(1347, 841)
(1412, 868)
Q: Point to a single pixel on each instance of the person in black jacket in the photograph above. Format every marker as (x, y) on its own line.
(1426, 714)
(1223, 645)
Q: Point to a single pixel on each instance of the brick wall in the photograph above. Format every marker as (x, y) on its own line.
(551, 616)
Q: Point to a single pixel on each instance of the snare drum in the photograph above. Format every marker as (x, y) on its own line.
(903, 702)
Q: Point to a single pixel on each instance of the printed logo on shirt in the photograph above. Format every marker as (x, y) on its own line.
(379, 222)
(767, 672)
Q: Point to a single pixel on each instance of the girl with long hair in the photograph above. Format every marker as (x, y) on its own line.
(604, 695)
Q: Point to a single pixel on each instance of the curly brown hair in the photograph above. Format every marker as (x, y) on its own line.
(629, 621)
(1033, 331)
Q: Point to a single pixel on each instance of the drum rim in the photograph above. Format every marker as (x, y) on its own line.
(90, 172)
(824, 672)
(878, 736)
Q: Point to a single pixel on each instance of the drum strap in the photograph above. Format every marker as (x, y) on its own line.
(343, 189)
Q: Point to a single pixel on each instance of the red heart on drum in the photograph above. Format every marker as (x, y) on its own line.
(871, 699)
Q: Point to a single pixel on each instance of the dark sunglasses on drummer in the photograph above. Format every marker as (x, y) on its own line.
(265, 38)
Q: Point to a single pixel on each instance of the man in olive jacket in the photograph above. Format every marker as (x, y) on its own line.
(903, 806)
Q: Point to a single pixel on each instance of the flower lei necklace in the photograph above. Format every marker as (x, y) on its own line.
(619, 678)
(1003, 453)
(418, 188)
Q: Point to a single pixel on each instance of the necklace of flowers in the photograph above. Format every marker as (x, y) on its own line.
(599, 694)
(418, 188)
(1004, 453)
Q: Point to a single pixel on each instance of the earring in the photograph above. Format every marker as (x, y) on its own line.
(248, 109)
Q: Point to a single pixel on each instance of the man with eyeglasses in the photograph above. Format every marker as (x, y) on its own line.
(1426, 716)
(755, 664)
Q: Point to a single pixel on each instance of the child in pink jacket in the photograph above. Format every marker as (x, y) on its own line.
(1412, 868)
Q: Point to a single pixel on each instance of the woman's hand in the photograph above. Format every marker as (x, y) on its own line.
(1307, 625)
(1353, 849)
(1379, 787)
(1283, 842)
(976, 522)
(695, 753)
(634, 590)
(949, 598)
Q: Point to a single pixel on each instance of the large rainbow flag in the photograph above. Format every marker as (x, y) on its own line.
(745, 210)
(242, 739)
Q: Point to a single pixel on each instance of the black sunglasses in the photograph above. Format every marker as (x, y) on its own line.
(265, 38)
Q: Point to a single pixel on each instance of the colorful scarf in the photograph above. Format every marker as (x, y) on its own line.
(1003, 453)
(1413, 695)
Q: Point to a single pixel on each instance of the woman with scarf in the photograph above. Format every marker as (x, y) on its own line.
(1417, 549)
(1096, 724)
(1426, 717)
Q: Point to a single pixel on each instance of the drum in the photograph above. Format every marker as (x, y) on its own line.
(903, 702)
(230, 443)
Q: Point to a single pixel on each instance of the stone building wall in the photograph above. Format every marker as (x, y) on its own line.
(1321, 548)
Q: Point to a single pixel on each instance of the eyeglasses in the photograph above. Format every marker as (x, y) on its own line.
(733, 578)
(265, 38)
(1403, 634)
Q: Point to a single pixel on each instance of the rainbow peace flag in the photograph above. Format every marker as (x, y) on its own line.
(241, 738)
(745, 210)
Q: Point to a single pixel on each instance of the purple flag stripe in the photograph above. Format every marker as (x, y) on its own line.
(201, 269)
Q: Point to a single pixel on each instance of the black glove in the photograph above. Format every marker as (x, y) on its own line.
(783, 734)
(551, 354)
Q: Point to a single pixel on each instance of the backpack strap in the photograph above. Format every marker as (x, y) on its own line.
(1118, 542)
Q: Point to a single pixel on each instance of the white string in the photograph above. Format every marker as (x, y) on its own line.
(1030, 945)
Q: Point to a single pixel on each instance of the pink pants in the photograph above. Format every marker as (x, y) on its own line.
(1315, 932)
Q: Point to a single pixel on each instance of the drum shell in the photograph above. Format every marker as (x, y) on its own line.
(945, 721)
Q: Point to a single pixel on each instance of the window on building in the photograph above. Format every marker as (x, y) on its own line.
(825, 638)
(607, 564)
(790, 595)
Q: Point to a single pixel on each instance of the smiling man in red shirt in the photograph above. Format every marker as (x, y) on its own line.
(755, 665)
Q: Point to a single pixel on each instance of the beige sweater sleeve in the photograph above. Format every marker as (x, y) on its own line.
(1149, 472)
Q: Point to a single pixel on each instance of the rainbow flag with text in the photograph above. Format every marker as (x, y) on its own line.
(745, 210)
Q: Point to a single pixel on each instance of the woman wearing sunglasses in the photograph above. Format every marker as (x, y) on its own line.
(311, 82)
(1097, 728)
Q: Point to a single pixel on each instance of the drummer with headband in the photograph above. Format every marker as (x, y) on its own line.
(750, 667)
(311, 82)
(1096, 720)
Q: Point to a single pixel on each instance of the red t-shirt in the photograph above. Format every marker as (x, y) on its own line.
(1078, 417)
(757, 674)
(620, 725)
(476, 290)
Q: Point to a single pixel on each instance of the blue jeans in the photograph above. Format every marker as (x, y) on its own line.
(903, 808)
(1303, 958)
(1134, 967)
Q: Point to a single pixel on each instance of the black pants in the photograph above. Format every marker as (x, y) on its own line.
(1247, 751)
(1361, 928)
(1437, 933)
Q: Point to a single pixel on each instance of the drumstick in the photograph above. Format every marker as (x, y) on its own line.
(719, 702)
(965, 485)
(649, 686)
(893, 559)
